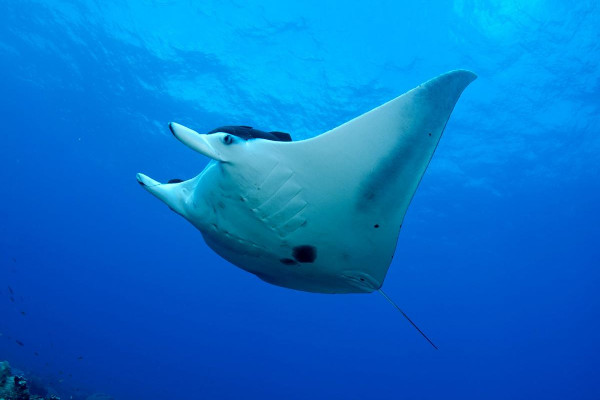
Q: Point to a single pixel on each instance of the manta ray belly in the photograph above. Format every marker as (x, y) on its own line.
(277, 201)
(263, 230)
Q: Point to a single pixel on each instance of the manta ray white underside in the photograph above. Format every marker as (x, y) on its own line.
(323, 214)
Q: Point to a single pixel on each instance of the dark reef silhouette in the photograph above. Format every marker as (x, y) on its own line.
(15, 386)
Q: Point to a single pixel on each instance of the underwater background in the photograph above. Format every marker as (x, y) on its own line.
(104, 289)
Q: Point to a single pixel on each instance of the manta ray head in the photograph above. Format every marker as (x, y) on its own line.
(220, 146)
(234, 163)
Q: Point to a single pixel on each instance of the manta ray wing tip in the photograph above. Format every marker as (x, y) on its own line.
(469, 76)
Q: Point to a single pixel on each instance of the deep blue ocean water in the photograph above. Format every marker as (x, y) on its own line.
(498, 259)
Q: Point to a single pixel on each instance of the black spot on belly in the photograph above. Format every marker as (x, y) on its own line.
(287, 261)
(305, 253)
(175, 180)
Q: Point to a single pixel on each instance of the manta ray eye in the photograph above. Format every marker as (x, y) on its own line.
(228, 139)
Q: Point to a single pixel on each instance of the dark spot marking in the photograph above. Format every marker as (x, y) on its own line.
(376, 226)
(430, 134)
(175, 180)
(19, 343)
(362, 279)
(288, 261)
(305, 253)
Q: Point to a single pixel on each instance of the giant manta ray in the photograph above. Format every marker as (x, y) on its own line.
(319, 215)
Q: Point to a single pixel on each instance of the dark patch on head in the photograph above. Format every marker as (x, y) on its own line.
(287, 261)
(247, 132)
(376, 226)
(175, 180)
(305, 253)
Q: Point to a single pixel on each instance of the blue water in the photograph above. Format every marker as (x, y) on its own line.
(498, 259)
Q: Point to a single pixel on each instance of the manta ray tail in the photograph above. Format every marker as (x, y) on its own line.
(406, 316)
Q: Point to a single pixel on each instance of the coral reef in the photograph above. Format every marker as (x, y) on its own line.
(14, 387)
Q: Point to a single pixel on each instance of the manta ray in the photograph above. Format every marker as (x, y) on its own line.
(322, 214)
